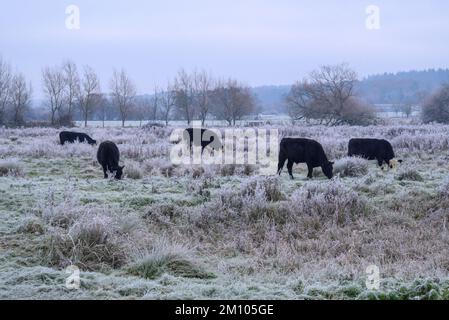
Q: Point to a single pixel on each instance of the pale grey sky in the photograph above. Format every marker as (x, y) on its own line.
(258, 42)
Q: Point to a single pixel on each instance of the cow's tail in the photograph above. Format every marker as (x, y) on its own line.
(282, 158)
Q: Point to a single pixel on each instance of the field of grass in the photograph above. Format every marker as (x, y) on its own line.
(222, 232)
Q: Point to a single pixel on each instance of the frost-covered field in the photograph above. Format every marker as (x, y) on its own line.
(224, 232)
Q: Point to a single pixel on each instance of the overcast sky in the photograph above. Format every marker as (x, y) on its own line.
(258, 42)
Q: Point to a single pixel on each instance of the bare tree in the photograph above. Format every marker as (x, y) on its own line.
(143, 106)
(232, 101)
(328, 95)
(407, 109)
(146, 107)
(153, 105)
(5, 85)
(185, 95)
(72, 88)
(203, 88)
(54, 85)
(90, 93)
(300, 102)
(396, 108)
(123, 93)
(104, 107)
(167, 99)
(20, 99)
(436, 107)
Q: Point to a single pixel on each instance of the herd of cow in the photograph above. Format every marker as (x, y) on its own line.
(108, 154)
(292, 150)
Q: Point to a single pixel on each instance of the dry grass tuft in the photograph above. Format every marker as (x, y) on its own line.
(164, 257)
(333, 202)
(11, 167)
(351, 167)
(133, 170)
(91, 244)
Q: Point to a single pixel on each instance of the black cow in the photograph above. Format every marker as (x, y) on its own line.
(202, 137)
(71, 137)
(298, 150)
(108, 156)
(372, 149)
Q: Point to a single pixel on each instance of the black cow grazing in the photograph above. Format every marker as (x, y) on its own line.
(372, 149)
(298, 150)
(71, 137)
(202, 137)
(108, 156)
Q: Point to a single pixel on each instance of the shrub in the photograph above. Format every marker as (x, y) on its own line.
(194, 171)
(152, 166)
(163, 212)
(167, 170)
(166, 258)
(246, 170)
(133, 170)
(257, 201)
(58, 213)
(330, 202)
(10, 167)
(258, 210)
(90, 244)
(351, 167)
(269, 186)
(32, 224)
(410, 174)
(228, 198)
(199, 187)
(227, 170)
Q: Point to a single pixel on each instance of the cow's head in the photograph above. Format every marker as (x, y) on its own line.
(328, 167)
(93, 142)
(214, 136)
(119, 172)
(393, 163)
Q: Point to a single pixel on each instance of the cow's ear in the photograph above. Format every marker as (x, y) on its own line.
(331, 162)
(400, 160)
(122, 167)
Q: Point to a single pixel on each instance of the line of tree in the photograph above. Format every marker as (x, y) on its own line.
(192, 96)
(70, 95)
(199, 96)
(15, 96)
(402, 88)
(327, 96)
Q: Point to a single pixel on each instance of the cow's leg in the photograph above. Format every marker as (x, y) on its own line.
(380, 162)
(110, 168)
(310, 171)
(290, 168)
(105, 169)
(282, 159)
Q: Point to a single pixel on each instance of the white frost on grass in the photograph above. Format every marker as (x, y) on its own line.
(170, 231)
